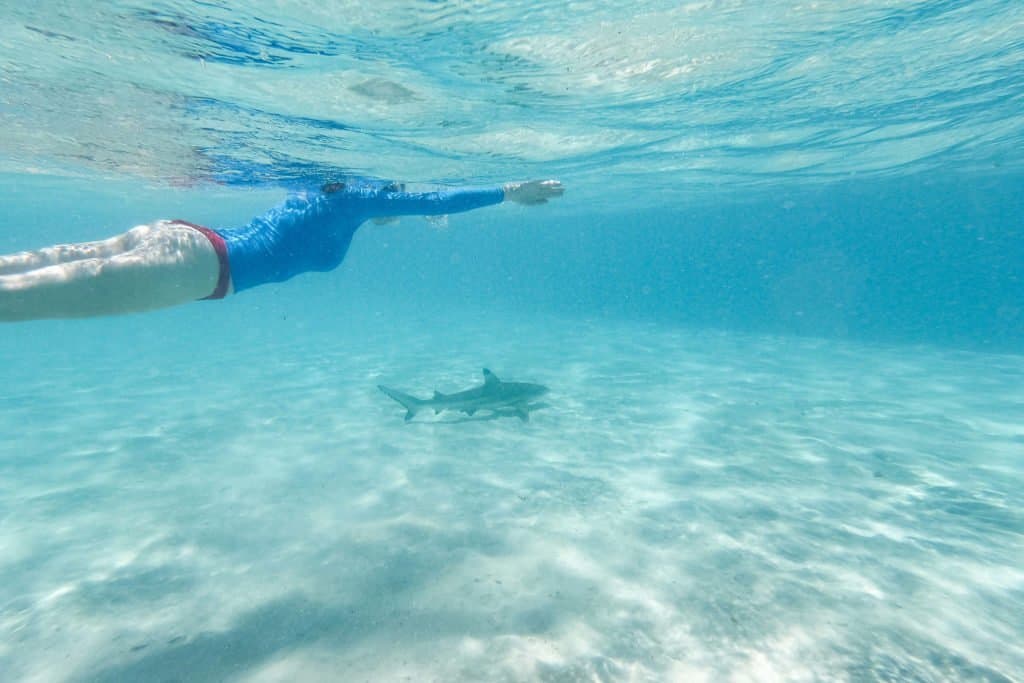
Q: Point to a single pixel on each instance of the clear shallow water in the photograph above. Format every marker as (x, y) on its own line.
(779, 309)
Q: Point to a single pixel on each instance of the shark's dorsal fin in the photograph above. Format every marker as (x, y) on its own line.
(438, 395)
(490, 378)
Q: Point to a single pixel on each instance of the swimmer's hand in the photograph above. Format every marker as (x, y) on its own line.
(533, 192)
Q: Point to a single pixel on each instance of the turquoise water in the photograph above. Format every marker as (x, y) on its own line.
(779, 309)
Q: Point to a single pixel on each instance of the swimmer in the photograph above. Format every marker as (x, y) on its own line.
(172, 262)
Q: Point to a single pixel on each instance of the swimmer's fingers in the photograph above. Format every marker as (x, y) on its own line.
(533, 192)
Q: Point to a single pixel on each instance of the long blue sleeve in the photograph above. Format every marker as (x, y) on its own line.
(431, 203)
(312, 231)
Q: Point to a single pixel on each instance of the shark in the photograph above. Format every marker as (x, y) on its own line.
(493, 395)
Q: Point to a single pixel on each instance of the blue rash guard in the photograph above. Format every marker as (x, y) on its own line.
(311, 231)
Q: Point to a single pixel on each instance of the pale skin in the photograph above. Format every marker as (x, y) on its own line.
(149, 267)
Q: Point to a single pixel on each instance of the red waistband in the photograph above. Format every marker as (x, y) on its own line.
(224, 277)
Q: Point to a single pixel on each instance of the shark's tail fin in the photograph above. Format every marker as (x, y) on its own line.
(410, 403)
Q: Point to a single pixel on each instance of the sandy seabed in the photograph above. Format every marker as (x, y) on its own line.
(690, 506)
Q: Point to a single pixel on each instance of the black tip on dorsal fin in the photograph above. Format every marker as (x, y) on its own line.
(490, 377)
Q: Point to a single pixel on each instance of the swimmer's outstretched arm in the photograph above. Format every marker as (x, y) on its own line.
(460, 199)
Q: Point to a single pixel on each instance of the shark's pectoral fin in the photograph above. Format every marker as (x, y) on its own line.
(523, 413)
(469, 411)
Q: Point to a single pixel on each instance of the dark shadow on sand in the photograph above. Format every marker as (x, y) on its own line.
(383, 604)
(486, 417)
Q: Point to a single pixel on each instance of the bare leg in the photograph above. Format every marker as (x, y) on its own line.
(24, 261)
(149, 267)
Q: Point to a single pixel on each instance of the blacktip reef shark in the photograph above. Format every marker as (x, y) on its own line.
(515, 398)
